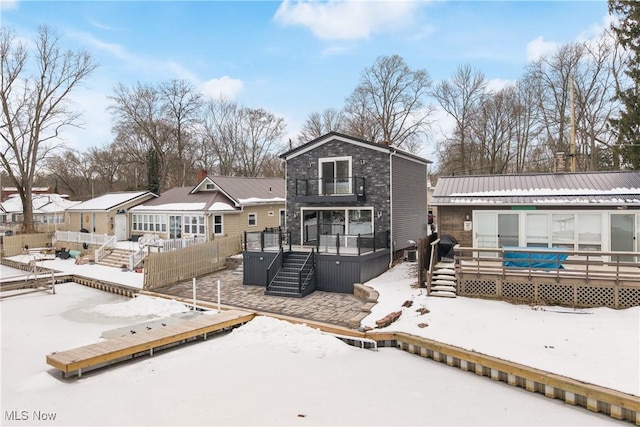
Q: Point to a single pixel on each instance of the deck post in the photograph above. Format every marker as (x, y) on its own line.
(194, 294)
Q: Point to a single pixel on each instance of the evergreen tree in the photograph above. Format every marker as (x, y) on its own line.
(627, 125)
(153, 171)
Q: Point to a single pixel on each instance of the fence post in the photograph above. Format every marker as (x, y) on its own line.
(358, 243)
(245, 240)
(289, 238)
(338, 243)
(262, 241)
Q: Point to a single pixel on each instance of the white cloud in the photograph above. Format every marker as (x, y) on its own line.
(346, 20)
(224, 87)
(496, 85)
(538, 48)
(8, 4)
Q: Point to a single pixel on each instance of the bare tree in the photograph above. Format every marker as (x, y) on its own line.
(139, 118)
(182, 109)
(460, 97)
(220, 139)
(389, 104)
(261, 131)
(553, 74)
(318, 124)
(35, 105)
(242, 139)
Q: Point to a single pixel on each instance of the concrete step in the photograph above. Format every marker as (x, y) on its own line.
(447, 271)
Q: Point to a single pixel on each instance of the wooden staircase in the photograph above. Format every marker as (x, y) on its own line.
(116, 258)
(443, 283)
(285, 283)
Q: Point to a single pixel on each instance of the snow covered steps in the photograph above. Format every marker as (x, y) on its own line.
(443, 282)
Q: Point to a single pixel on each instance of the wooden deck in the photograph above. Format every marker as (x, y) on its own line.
(122, 348)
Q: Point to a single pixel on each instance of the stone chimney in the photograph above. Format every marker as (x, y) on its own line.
(559, 165)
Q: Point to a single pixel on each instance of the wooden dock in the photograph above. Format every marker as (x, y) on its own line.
(121, 348)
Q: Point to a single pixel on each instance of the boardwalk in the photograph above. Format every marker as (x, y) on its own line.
(120, 348)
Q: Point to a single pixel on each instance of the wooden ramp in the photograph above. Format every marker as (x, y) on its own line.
(121, 348)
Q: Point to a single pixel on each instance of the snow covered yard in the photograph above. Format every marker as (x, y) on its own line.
(271, 372)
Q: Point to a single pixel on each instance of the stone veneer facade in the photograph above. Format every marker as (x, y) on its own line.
(368, 163)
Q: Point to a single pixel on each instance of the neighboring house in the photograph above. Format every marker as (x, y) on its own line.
(48, 211)
(358, 204)
(6, 192)
(591, 211)
(107, 214)
(216, 206)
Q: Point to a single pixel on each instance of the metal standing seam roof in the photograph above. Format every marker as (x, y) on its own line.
(585, 188)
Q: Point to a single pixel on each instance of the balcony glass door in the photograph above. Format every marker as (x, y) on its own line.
(335, 176)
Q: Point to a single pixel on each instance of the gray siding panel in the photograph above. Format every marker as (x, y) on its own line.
(254, 269)
(409, 202)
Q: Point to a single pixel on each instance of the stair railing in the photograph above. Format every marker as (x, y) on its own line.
(306, 272)
(432, 261)
(101, 252)
(274, 267)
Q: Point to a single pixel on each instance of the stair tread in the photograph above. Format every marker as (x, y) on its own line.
(443, 294)
(443, 288)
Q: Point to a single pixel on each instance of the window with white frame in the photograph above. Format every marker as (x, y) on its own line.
(153, 223)
(537, 233)
(217, 224)
(252, 219)
(589, 231)
(335, 175)
(562, 231)
(193, 224)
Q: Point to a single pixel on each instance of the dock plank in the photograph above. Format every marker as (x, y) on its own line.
(113, 349)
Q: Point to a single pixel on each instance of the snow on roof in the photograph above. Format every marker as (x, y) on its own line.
(42, 203)
(220, 206)
(258, 200)
(170, 207)
(109, 201)
(548, 192)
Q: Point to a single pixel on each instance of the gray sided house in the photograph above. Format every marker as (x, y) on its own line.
(588, 211)
(352, 206)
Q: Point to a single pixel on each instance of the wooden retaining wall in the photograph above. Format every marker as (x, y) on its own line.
(165, 268)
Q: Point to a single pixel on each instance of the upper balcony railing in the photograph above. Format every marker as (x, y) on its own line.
(323, 187)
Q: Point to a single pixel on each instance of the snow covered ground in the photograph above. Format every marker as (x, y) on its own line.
(271, 372)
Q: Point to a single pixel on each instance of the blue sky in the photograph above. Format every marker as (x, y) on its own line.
(294, 58)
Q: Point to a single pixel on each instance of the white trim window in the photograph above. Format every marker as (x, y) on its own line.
(193, 224)
(335, 175)
(153, 223)
(218, 228)
(252, 219)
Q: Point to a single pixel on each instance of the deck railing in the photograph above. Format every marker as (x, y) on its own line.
(331, 186)
(549, 276)
(270, 239)
(274, 267)
(101, 252)
(306, 273)
(551, 262)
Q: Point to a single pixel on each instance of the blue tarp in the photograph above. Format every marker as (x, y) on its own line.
(534, 260)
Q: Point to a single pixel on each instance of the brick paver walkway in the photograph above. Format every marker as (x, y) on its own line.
(328, 307)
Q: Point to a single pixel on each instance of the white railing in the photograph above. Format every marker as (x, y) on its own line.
(173, 244)
(101, 252)
(77, 237)
(137, 257)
